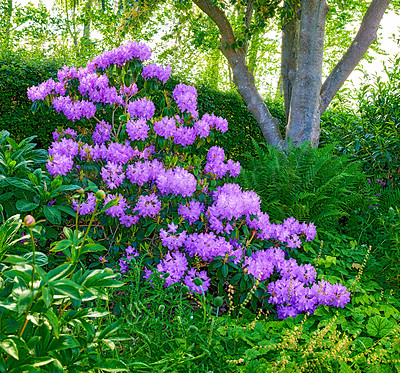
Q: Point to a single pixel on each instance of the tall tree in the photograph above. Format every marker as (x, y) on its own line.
(303, 24)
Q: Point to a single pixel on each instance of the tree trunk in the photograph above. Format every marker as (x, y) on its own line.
(246, 87)
(302, 57)
(289, 51)
(304, 114)
(242, 77)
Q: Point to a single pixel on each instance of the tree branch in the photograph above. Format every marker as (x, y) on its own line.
(366, 34)
(220, 19)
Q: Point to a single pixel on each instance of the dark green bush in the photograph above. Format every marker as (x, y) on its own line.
(17, 74)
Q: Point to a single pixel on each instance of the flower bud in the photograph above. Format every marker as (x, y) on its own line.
(193, 329)
(185, 289)
(198, 281)
(218, 301)
(161, 308)
(81, 191)
(29, 221)
(100, 194)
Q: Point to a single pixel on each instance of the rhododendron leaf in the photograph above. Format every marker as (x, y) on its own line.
(52, 214)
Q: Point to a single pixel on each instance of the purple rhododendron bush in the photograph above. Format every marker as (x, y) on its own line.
(179, 216)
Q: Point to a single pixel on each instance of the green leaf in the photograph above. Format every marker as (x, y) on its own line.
(10, 348)
(53, 320)
(92, 247)
(25, 298)
(67, 287)
(52, 214)
(18, 183)
(63, 343)
(225, 270)
(26, 206)
(15, 259)
(64, 270)
(47, 294)
(111, 365)
(41, 259)
(110, 329)
(61, 245)
(68, 210)
(379, 326)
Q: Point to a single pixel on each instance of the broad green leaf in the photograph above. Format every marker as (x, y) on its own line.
(47, 294)
(15, 259)
(53, 320)
(9, 347)
(63, 342)
(379, 326)
(24, 300)
(26, 206)
(67, 287)
(61, 245)
(52, 214)
(92, 247)
(110, 329)
(112, 365)
(68, 210)
(41, 259)
(18, 183)
(64, 270)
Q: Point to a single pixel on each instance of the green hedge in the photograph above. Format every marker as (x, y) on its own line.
(18, 74)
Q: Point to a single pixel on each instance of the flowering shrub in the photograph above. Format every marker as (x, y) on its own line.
(184, 214)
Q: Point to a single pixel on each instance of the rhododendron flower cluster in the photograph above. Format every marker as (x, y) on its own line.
(193, 214)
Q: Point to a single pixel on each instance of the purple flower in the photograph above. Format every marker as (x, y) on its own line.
(172, 241)
(59, 165)
(191, 211)
(148, 205)
(102, 132)
(117, 210)
(159, 72)
(184, 136)
(87, 207)
(186, 98)
(176, 181)
(137, 129)
(143, 172)
(113, 175)
(129, 91)
(191, 275)
(166, 127)
(141, 108)
(175, 264)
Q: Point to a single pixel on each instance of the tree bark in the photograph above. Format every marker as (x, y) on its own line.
(290, 38)
(366, 35)
(242, 77)
(304, 114)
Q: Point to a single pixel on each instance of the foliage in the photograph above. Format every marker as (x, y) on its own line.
(48, 323)
(372, 136)
(26, 188)
(17, 74)
(309, 184)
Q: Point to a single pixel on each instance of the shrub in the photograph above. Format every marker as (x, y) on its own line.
(162, 200)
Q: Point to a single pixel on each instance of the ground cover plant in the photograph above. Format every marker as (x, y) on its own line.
(206, 280)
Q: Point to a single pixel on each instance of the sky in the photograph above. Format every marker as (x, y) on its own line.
(390, 25)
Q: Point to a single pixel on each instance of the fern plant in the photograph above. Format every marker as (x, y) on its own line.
(307, 183)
